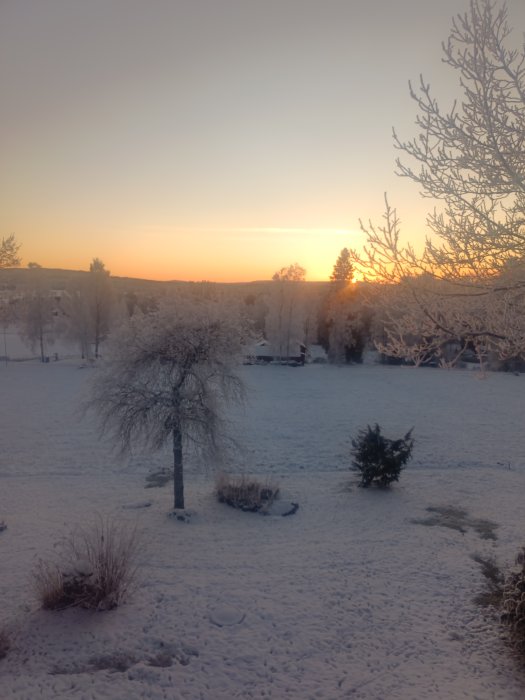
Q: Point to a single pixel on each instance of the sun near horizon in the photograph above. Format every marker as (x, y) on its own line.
(214, 255)
(211, 140)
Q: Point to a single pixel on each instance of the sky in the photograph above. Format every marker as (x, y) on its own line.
(211, 139)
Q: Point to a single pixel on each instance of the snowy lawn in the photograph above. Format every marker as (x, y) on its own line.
(348, 598)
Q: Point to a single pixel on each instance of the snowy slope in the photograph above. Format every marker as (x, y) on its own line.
(349, 598)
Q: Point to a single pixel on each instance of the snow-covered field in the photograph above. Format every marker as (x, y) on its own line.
(348, 598)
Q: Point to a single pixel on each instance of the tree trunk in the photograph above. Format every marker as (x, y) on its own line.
(178, 477)
(289, 330)
(97, 333)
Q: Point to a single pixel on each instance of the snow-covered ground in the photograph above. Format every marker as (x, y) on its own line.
(348, 598)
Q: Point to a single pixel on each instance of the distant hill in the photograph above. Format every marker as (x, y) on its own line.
(19, 278)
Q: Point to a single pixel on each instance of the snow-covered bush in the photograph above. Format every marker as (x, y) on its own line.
(379, 459)
(95, 569)
(513, 605)
(245, 493)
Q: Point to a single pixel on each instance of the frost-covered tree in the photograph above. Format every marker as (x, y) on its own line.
(470, 157)
(292, 273)
(76, 323)
(423, 317)
(287, 313)
(99, 297)
(9, 252)
(167, 376)
(38, 323)
(347, 320)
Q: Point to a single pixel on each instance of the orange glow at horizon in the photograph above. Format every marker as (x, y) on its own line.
(222, 141)
(215, 255)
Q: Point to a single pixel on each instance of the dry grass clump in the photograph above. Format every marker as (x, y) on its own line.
(5, 644)
(492, 594)
(245, 492)
(95, 570)
(513, 605)
(458, 519)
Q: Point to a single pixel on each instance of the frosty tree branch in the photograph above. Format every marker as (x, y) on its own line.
(168, 376)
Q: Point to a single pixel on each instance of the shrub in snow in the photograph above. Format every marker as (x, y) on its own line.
(378, 459)
(492, 595)
(95, 570)
(513, 604)
(245, 493)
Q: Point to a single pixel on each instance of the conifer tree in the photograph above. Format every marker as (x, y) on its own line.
(343, 272)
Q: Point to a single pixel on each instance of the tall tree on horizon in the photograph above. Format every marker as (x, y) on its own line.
(343, 272)
(100, 301)
(283, 316)
(38, 323)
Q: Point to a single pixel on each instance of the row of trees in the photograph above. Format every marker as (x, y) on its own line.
(297, 313)
(286, 312)
(81, 314)
(466, 289)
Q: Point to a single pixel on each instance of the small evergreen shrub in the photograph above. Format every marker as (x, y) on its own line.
(378, 459)
(95, 570)
(513, 604)
(245, 493)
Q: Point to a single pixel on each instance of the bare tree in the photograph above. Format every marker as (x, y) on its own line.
(344, 320)
(168, 376)
(7, 316)
(89, 307)
(38, 323)
(422, 317)
(292, 273)
(99, 296)
(286, 316)
(77, 325)
(472, 158)
(9, 252)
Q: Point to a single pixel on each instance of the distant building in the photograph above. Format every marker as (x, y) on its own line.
(263, 352)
